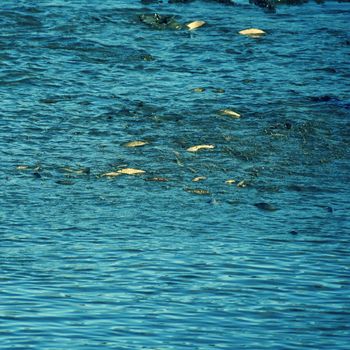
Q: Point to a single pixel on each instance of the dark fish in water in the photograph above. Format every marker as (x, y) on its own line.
(158, 21)
(268, 4)
(265, 206)
(199, 191)
(271, 4)
(226, 2)
(65, 182)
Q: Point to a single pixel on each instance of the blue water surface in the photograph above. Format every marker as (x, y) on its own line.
(158, 261)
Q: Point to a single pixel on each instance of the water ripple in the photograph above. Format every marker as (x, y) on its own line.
(160, 261)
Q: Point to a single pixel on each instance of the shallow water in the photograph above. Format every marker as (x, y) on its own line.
(93, 262)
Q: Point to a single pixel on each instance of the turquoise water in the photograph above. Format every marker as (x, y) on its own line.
(131, 262)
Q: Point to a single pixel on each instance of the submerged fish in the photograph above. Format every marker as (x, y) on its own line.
(199, 147)
(195, 24)
(135, 144)
(252, 32)
(125, 171)
(265, 206)
(230, 113)
(158, 21)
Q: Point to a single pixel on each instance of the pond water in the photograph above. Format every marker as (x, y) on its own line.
(253, 255)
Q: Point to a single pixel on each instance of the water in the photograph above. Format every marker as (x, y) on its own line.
(91, 262)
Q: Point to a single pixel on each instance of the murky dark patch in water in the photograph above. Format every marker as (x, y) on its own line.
(241, 245)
